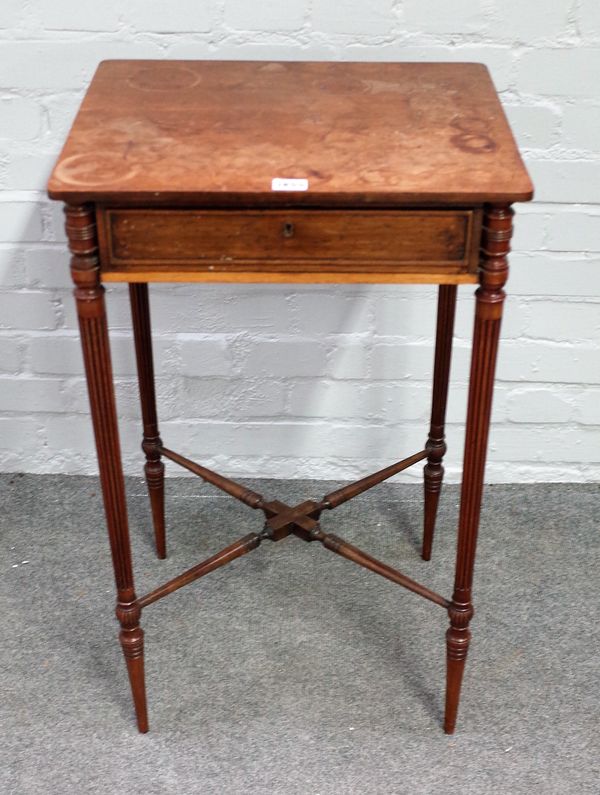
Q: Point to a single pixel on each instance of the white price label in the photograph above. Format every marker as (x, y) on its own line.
(289, 184)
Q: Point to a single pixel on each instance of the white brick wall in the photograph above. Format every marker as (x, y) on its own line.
(309, 381)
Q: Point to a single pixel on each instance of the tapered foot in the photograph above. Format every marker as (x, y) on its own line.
(433, 474)
(155, 478)
(455, 668)
(458, 638)
(132, 643)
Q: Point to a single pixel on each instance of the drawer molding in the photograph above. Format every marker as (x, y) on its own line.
(279, 241)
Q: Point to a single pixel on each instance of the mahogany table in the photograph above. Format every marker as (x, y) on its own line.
(192, 171)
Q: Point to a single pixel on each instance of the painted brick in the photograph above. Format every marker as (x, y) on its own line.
(185, 16)
(75, 397)
(30, 171)
(563, 322)
(296, 439)
(352, 16)
(533, 127)
(403, 403)
(206, 397)
(568, 72)
(12, 354)
(574, 229)
(19, 438)
(20, 222)
(60, 353)
(4, 159)
(566, 180)
(562, 444)
(167, 360)
(527, 22)
(12, 269)
(264, 310)
(580, 127)
(63, 64)
(44, 65)
(515, 319)
(395, 361)
(56, 354)
(11, 13)
(548, 362)
(335, 399)
(53, 213)
(348, 359)
(78, 429)
(438, 16)
(539, 406)
(31, 395)
(589, 18)
(267, 15)
(498, 59)
(61, 109)
(79, 15)
(286, 49)
(331, 311)
(588, 408)
(230, 399)
(246, 353)
(205, 357)
(555, 274)
(540, 472)
(405, 317)
(27, 310)
(221, 309)
(530, 230)
(20, 119)
(47, 267)
(280, 358)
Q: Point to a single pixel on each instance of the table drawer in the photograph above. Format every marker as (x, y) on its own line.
(296, 240)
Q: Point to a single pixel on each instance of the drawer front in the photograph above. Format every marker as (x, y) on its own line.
(416, 241)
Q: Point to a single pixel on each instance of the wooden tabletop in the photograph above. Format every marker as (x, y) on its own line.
(220, 132)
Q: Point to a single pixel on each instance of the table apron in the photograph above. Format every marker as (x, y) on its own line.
(195, 244)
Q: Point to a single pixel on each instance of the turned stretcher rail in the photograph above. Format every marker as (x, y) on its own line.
(255, 500)
(280, 514)
(350, 552)
(227, 485)
(235, 550)
(346, 493)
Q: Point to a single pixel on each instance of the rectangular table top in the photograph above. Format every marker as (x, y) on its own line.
(354, 134)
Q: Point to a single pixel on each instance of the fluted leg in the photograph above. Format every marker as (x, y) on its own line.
(89, 295)
(154, 468)
(488, 315)
(433, 471)
(132, 643)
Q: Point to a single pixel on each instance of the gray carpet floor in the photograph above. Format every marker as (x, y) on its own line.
(292, 670)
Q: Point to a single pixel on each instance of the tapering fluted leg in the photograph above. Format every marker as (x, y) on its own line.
(89, 295)
(132, 643)
(154, 467)
(488, 315)
(433, 471)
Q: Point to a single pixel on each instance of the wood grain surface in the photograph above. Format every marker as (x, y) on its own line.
(290, 240)
(219, 132)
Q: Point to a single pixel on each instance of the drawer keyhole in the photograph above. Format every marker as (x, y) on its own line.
(288, 230)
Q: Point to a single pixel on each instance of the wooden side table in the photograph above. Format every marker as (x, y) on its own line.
(290, 172)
